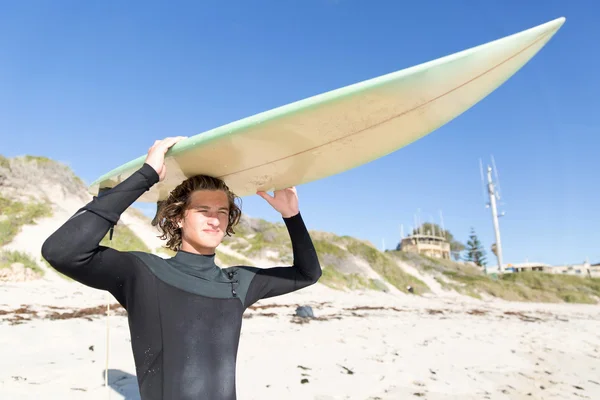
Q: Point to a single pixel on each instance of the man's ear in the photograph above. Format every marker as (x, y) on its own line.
(179, 219)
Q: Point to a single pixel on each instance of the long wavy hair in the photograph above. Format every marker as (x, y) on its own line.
(172, 210)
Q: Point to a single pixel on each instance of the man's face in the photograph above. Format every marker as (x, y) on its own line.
(205, 221)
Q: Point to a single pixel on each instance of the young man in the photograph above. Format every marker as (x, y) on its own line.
(185, 313)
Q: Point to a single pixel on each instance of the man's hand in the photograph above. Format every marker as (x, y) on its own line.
(285, 201)
(156, 154)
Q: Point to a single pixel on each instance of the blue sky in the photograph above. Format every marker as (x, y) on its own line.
(93, 84)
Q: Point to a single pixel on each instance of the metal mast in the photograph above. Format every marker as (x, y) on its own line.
(494, 195)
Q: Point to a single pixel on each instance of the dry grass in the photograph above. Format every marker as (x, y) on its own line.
(15, 214)
(528, 286)
(229, 260)
(567, 288)
(7, 258)
(340, 281)
(124, 239)
(4, 162)
(386, 266)
(26, 173)
(166, 251)
(523, 286)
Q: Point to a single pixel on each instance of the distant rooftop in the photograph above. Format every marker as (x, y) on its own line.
(424, 236)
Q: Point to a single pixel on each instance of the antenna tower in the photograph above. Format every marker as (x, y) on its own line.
(493, 191)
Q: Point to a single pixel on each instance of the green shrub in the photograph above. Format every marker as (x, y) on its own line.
(7, 258)
(15, 214)
(124, 239)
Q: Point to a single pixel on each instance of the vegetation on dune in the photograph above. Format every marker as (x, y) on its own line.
(38, 159)
(8, 258)
(522, 286)
(15, 214)
(385, 266)
(567, 288)
(4, 163)
(528, 286)
(261, 239)
(330, 253)
(229, 260)
(29, 171)
(430, 264)
(166, 251)
(337, 280)
(124, 239)
(333, 259)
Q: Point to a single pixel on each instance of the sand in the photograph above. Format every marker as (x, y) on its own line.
(360, 346)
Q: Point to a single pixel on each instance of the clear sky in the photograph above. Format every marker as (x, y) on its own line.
(93, 84)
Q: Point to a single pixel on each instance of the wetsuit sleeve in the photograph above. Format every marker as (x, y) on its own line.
(74, 249)
(305, 271)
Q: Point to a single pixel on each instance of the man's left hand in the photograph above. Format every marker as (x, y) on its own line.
(285, 201)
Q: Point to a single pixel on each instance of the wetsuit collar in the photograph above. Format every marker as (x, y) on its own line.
(201, 260)
(199, 265)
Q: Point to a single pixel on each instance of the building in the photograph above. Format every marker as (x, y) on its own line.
(595, 270)
(528, 266)
(584, 269)
(428, 245)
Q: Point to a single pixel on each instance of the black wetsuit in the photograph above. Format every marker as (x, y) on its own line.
(185, 313)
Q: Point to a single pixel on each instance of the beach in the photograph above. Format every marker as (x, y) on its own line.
(359, 345)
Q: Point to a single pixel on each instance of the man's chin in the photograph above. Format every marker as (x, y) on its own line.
(211, 241)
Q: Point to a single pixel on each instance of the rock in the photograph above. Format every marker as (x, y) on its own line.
(304, 312)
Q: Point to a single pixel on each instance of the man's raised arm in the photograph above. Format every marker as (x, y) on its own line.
(305, 270)
(74, 249)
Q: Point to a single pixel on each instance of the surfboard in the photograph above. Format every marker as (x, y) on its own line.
(342, 129)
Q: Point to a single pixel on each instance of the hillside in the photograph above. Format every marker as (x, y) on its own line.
(38, 194)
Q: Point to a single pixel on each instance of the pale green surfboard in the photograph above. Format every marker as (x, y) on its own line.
(342, 129)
